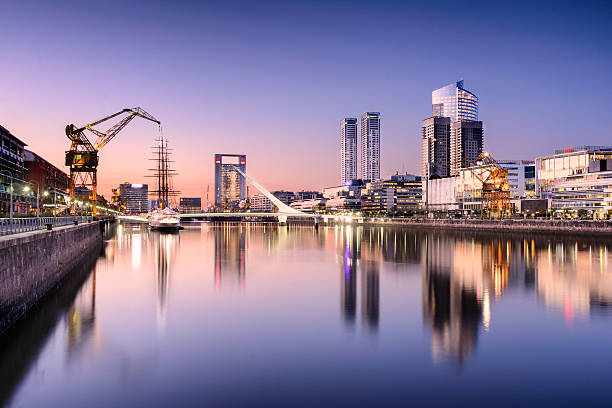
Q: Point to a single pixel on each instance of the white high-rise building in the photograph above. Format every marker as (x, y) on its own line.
(348, 150)
(370, 146)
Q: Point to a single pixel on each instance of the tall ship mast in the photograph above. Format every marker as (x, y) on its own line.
(163, 173)
(163, 216)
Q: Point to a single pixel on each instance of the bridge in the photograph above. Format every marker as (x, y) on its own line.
(284, 211)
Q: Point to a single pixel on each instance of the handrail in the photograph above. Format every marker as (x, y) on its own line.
(19, 225)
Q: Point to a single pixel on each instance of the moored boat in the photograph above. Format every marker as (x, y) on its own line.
(166, 219)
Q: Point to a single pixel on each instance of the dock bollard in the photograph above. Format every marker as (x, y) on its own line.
(76, 222)
(49, 227)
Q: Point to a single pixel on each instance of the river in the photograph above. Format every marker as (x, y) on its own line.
(237, 314)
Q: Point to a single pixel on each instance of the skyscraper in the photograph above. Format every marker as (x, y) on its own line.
(230, 186)
(455, 102)
(466, 144)
(370, 146)
(435, 147)
(348, 150)
(135, 197)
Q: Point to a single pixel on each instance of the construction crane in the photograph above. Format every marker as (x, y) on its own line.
(82, 158)
(495, 189)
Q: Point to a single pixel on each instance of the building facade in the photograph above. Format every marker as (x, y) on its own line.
(370, 146)
(13, 171)
(134, 198)
(190, 205)
(521, 177)
(308, 195)
(230, 186)
(577, 179)
(400, 194)
(348, 150)
(466, 144)
(435, 147)
(260, 203)
(455, 102)
(53, 182)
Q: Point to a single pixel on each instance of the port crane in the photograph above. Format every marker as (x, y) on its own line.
(494, 191)
(82, 158)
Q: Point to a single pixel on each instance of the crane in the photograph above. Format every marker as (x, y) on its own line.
(82, 158)
(495, 189)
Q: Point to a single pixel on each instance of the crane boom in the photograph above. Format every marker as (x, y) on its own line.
(83, 155)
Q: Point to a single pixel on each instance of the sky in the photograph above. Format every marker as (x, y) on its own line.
(273, 80)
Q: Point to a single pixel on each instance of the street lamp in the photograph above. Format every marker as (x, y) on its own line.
(27, 188)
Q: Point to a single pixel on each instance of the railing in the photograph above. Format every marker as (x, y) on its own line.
(17, 225)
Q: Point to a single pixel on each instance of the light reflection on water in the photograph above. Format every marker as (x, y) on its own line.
(340, 316)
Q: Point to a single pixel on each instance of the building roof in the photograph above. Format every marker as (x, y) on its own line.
(6, 131)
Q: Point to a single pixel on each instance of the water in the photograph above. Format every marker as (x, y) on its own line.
(255, 314)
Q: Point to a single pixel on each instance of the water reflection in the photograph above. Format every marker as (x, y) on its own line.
(165, 247)
(391, 284)
(348, 281)
(230, 255)
(81, 317)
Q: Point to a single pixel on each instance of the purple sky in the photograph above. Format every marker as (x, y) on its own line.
(273, 79)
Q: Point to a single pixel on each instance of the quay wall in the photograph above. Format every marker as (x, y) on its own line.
(576, 227)
(33, 263)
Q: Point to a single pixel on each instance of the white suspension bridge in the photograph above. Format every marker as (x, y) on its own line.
(284, 211)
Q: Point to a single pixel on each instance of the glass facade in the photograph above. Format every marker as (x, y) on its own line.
(348, 150)
(370, 146)
(577, 180)
(230, 186)
(455, 102)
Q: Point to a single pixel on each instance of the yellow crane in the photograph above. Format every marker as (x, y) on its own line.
(82, 158)
(494, 189)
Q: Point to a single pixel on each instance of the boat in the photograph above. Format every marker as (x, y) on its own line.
(164, 219)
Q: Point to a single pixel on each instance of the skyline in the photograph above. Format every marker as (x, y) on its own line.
(204, 71)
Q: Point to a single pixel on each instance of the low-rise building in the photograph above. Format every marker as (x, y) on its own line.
(260, 203)
(577, 179)
(343, 198)
(190, 205)
(521, 178)
(307, 195)
(311, 206)
(52, 182)
(12, 171)
(441, 194)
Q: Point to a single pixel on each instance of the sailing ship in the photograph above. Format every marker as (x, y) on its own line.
(163, 217)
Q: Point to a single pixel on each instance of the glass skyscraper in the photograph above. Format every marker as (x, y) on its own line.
(230, 186)
(348, 150)
(455, 102)
(370, 146)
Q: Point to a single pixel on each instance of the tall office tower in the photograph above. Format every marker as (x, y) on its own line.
(348, 150)
(435, 148)
(466, 144)
(230, 186)
(455, 102)
(370, 146)
(135, 197)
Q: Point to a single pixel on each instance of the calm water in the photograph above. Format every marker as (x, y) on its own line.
(253, 314)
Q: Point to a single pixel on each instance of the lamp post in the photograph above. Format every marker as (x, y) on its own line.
(45, 194)
(37, 196)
